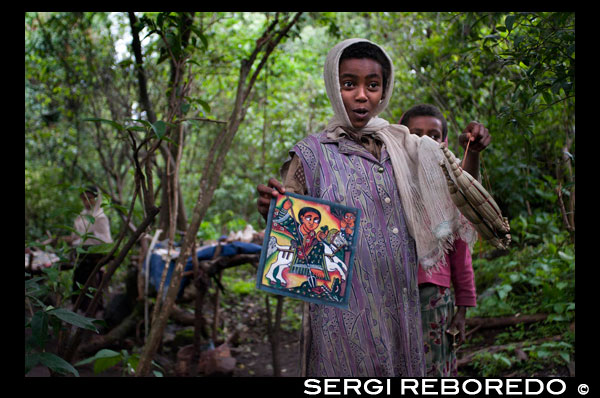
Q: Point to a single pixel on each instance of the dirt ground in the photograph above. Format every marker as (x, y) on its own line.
(244, 322)
(255, 358)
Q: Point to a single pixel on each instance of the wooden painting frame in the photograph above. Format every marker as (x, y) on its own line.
(308, 250)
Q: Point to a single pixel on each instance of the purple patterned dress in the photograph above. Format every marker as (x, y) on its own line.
(379, 335)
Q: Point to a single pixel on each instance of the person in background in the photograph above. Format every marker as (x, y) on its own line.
(438, 314)
(93, 228)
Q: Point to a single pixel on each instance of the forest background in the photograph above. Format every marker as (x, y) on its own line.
(177, 117)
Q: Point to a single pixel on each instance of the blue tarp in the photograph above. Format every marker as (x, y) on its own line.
(157, 264)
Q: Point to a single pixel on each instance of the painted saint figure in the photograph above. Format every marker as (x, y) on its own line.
(307, 242)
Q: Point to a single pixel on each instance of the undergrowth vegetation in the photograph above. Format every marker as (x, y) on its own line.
(94, 107)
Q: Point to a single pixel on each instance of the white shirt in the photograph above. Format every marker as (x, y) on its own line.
(100, 227)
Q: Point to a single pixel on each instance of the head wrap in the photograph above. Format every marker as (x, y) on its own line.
(432, 218)
(99, 226)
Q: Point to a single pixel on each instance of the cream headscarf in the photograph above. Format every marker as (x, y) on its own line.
(432, 218)
(100, 228)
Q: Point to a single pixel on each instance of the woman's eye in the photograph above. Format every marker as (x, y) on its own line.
(316, 221)
(373, 85)
(435, 137)
(347, 84)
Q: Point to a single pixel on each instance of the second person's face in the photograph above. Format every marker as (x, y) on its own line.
(361, 86)
(426, 125)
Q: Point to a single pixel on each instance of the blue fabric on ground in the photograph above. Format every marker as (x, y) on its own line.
(157, 264)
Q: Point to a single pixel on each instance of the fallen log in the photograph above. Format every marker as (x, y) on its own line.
(181, 316)
(213, 267)
(114, 337)
(504, 321)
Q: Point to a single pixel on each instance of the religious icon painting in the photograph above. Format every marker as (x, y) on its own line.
(308, 250)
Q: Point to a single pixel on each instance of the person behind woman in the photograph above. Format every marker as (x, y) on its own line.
(437, 301)
(93, 228)
(362, 161)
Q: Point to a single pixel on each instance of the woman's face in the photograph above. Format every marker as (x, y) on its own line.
(88, 199)
(361, 86)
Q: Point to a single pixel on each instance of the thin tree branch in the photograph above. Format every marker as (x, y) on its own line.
(139, 67)
(111, 268)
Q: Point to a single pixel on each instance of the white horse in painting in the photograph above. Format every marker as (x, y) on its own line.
(285, 256)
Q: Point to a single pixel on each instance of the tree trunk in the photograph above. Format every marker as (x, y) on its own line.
(141, 75)
(274, 329)
(164, 221)
(210, 178)
(216, 300)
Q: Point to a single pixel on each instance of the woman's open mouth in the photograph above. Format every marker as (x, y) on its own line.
(361, 112)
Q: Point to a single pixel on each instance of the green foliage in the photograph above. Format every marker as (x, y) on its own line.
(239, 281)
(292, 315)
(488, 364)
(212, 228)
(512, 71)
(106, 359)
(558, 352)
(471, 65)
(548, 357)
(536, 277)
(530, 279)
(243, 287)
(39, 324)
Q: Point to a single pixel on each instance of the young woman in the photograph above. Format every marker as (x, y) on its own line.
(362, 161)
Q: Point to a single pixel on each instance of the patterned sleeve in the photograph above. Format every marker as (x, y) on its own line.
(293, 176)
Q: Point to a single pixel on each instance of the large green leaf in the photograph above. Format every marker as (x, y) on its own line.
(56, 363)
(106, 362)
(103, 360)
(509, 21)
(103, 353)
(160, 128)
(39, 328)
(74, 318)
(31, 360)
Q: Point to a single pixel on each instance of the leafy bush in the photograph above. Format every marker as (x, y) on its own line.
(106, 359)
(537, 275)
(529, 279)
(39, 324)
(242, 287)
(488, 364)
(220, 224)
